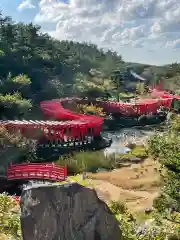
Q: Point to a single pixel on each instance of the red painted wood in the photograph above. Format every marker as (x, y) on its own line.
(79, 125)
(16, 198)
(36, 171)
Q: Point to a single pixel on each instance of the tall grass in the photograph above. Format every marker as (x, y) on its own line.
(87, 162)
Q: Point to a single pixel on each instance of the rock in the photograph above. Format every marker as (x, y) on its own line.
(120, 165)
(102, 170)
(132, 159)
(103, 195)
(148, 210)
(131, 145)
(68, 211)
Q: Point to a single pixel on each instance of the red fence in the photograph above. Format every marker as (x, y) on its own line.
(53, 129)
(32, 171)
(146, 106)
(77, 126)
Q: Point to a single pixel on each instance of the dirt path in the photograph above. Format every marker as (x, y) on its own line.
(137, 185)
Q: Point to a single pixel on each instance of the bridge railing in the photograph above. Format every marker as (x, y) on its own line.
(36, 171)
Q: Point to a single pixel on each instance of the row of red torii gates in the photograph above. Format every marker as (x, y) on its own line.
(73, 126)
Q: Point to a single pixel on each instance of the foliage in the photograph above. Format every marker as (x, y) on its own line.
(165, 147)
(90, 109)
(92, 87)
(92, 161)
(22, 80)
(13, 90)
(126, 95)
(87, 162)
(35, 67)
(50, 65)
(15, 147)
(15, 138)
(93, 93)
(9, 100)
(155, 228)
(137, 151)
(117, 78)
(140, 88)
(140, 151)
(139, 68)
(9, 216)
(133, 231)
(51, 68)
(177, 91)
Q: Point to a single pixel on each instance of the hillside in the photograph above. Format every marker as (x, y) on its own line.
(34, 67)
(50, 66)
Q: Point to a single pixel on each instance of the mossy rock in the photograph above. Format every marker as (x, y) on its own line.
(140, 151)
(137, 152)
(131, 159)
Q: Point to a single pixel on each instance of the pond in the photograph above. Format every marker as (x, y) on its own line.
(121, 138)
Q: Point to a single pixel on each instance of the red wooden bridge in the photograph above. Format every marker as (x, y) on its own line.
(38, 171)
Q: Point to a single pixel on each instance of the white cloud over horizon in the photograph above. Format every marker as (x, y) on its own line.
(122, 25)
(26, 4)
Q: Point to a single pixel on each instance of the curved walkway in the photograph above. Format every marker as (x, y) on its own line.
(55, 109)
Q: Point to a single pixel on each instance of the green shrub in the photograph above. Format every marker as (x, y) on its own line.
(126, 94)
(11, 100)
(9, 216)
(21, 79)
(90, 109)
(137, 151)
(131, 230)
(140, 151)
(87, 162)
(166, 149)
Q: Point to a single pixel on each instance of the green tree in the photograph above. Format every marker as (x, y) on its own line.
(165, 147)
(118, 78)
(11, 101)
(140, 88)
(24, 50)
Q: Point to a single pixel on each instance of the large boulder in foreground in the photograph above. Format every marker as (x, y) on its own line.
(66, 212)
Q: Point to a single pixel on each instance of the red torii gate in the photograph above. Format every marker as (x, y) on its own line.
(54, 130)
(77, 126)
(54, 108)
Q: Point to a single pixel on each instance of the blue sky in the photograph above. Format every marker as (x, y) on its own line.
(9, 7)
(144, 31)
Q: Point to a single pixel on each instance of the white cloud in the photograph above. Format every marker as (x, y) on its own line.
(173, 44)
(25, 4)
(147, 24)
